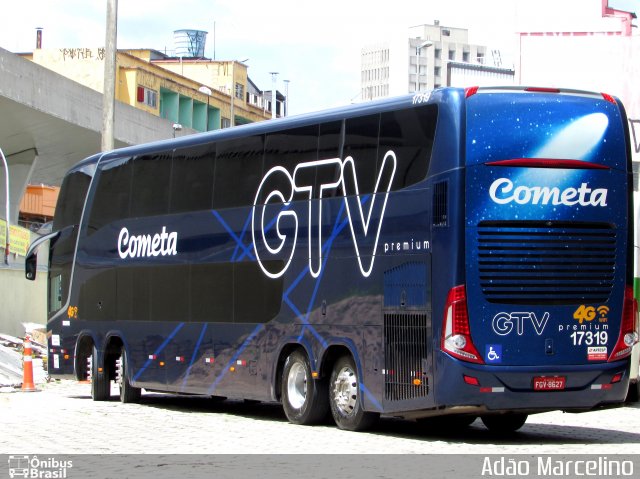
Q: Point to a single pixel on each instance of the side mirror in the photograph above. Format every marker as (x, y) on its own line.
(30, 265)
(31, 261)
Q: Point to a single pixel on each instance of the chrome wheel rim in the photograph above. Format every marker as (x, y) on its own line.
(297, 385)
(120, 371)
(345, 391)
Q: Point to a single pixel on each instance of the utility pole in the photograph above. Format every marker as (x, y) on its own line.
(286, 98)
(274, 98)
(109, 91)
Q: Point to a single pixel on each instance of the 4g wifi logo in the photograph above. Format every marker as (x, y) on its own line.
(589, 313)
(270, 213)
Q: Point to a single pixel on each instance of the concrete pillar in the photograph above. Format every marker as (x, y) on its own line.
(21, 165)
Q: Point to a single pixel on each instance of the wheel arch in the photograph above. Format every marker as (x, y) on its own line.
(82, 354)
(285, 350)
(113, 344)
(331, 355)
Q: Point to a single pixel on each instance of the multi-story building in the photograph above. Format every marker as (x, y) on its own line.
(194, 92)
(417, 62)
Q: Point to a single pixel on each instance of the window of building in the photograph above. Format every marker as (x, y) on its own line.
(240, 91)
(147, 96)
(452, 54)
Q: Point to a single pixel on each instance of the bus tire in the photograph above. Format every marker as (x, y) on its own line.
(100, 385)
(344, 397)
(128, 393)
(504, 423)
(633, 395)
(304, 400)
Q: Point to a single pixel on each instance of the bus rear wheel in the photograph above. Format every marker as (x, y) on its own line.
(100, 385)
(504, 423)
(344, 397)
(304, 400)
(128, 393)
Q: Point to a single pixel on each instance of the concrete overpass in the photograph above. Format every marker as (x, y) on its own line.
(47, 124)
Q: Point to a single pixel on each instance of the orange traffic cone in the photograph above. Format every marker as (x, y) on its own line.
(27, 380)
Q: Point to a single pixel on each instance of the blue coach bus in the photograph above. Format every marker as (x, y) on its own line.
(458, 253)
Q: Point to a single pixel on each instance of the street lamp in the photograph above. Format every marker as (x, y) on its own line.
(6, 246)
(176, 127)
(425, 44)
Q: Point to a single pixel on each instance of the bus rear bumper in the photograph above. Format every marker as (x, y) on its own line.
(511, 388)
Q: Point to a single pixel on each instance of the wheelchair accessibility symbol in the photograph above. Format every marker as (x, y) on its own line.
(493, 353)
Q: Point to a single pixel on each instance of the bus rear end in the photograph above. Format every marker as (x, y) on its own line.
(545, 316)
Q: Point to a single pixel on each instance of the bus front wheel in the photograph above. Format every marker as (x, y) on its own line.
(304, 399)
(504, 423)
(344, 397)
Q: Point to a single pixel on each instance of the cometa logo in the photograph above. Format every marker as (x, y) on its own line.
(147, 246)
(503, 192)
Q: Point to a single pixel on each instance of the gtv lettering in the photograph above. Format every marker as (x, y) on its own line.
(505, 323)
(275, 227)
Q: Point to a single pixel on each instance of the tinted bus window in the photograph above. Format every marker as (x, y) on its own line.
(238, 171)
(71, 200)
(328, 148)
(67, 217)
(112, 195)
(288, 149)
(150, 192)
(192, 179)
(410, 134)
(361, 143)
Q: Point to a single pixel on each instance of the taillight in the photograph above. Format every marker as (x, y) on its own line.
(470, 91)
(535, 89)
(456, 335)
(628, 335)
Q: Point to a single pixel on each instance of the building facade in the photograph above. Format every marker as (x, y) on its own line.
(195, 93)
(416, 62)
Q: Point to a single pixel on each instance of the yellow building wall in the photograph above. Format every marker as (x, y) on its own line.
(86, 66)
(215, 75)
(83, 65)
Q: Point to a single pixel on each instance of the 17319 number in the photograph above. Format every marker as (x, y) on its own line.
(589, 338)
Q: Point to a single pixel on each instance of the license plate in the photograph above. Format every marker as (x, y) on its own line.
(548, 383)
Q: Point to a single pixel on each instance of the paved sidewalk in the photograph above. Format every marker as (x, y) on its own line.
(62, 419)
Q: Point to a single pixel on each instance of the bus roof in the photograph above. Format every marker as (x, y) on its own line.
(263, 127)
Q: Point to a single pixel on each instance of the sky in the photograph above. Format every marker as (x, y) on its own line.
(314, 45)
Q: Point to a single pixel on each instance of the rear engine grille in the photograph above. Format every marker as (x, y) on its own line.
(405, 354)
(546, 262)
